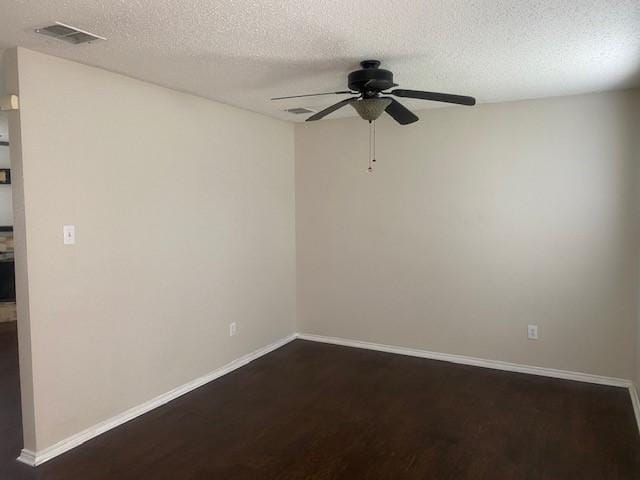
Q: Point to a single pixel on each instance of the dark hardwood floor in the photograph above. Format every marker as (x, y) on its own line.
(314, 411)
(10, 420)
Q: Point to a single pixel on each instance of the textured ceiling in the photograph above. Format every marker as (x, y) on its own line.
(243, 52)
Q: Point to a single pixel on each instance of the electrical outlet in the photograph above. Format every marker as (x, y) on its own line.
(233, 329)
(532, 332)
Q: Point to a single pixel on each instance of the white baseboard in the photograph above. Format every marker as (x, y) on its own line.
(478, 362)
(481, 362)
(38, 458)
(28, 457)
(635, 401)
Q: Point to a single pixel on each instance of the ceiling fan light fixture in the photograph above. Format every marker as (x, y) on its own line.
(371, 108)
(370, 82)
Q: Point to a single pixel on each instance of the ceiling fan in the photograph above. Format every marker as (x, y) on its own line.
(372, 86)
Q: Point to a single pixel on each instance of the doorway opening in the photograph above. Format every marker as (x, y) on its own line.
(10, 409)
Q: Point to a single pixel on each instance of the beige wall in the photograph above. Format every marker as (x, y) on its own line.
(184, 210)
(476, 223)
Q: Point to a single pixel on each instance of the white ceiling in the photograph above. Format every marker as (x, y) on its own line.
(243, 52)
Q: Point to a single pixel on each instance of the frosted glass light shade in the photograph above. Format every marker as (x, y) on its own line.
(371, 108)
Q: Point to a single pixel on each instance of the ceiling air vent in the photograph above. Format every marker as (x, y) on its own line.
(68, 33)
(299, 110)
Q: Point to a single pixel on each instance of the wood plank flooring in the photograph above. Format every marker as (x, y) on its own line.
(315, 411)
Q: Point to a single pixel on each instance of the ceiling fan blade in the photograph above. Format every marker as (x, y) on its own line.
(400, 113)
(332, 108)
(436, 97)
(313, 95)
(380, 84)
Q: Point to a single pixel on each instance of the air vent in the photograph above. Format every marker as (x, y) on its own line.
(299, 110)
(68, 33)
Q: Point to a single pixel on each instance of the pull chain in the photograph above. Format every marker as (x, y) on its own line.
(372, 145)
(370, 169)
(373, 159)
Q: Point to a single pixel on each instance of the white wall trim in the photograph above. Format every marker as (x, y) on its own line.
(635, 401)
(38, 458)
(28, 457)
(478, 362)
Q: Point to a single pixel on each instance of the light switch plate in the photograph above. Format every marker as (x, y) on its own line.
(69, 234)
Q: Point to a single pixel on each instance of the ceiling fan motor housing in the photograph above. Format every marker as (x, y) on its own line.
(370, 71)
(372, 86)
